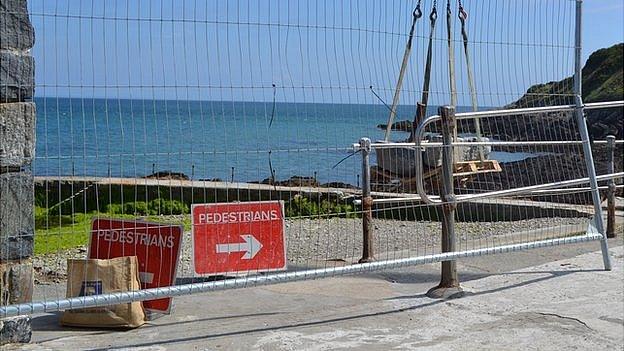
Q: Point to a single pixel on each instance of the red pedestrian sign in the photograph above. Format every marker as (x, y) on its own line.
(244, 237)
(156, 245)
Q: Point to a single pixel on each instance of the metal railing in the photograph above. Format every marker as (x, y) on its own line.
(451, 201)
(273, 278)
(419, 145)
(501, 113)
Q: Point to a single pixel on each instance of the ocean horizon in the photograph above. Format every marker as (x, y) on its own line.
(231, 141)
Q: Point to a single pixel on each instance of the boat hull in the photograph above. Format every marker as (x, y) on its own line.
(401, 160)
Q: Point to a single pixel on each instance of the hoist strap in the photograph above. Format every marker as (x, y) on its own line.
(421, 108)
(397, 91)
(451, 58)
(451, 54)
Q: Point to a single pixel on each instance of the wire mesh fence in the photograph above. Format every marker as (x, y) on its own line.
(150, 111)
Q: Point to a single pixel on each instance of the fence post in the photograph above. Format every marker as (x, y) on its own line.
(449, 283)
(582, 125)
(367, 204)
(611, 190)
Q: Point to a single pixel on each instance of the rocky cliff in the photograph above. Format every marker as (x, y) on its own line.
(603, 80)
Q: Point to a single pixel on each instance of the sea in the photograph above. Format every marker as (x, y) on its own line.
(210, 140)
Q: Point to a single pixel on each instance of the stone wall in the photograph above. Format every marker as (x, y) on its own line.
(17, 150)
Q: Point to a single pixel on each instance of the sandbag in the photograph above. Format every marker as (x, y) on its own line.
(94, 277)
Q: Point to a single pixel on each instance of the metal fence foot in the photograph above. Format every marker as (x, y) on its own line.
(444, 293)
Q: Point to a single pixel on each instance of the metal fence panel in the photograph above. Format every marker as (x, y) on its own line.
(146, 109)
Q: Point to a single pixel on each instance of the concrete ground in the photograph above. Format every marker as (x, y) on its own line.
(545, 299)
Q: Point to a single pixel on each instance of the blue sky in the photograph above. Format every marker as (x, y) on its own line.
(312, 51)
(604, 24)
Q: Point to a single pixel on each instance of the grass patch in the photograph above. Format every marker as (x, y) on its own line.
(301, 206)
(54, 231)
(62, 238)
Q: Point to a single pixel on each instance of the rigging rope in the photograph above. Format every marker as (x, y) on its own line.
(416, 14)
(379, 98)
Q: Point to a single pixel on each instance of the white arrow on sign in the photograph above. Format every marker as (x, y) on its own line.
(251, 247)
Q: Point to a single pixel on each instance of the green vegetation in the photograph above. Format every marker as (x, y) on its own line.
(602, 81)
(57, 231)
(301, 206)
(153, 208)
(603, 75)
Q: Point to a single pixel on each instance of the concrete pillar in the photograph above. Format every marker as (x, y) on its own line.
(17, 150)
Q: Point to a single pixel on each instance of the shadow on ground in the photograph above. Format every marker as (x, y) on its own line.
(45, 322)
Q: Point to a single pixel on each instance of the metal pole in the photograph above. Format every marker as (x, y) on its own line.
(611, 188)
(272, 278)
(449, 283)
(582, 124)
(367, 204)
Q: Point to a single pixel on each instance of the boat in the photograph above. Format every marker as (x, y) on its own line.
(401, 161)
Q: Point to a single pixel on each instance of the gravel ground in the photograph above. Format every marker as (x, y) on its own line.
(322, 242)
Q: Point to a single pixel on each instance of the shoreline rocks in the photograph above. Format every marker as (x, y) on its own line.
(401, 126)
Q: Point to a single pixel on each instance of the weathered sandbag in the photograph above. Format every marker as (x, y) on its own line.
(87, 277)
